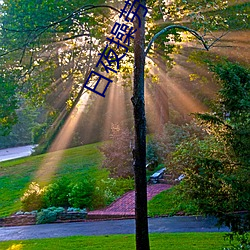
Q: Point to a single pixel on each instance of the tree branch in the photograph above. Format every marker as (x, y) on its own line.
(42, 29)
(76, 12)
(218, 38)
(193, 32)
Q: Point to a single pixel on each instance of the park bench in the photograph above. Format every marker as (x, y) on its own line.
(155, 177)
(182, 176)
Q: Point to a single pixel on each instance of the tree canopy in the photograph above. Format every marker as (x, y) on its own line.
(52, 45)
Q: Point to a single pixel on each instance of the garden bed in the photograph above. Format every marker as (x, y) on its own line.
(30, 219)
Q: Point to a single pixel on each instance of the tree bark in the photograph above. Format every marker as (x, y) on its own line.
(139, 151)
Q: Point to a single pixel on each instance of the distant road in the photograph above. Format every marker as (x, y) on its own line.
(17, 152)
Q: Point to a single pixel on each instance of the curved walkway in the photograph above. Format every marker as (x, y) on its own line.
(124, 207)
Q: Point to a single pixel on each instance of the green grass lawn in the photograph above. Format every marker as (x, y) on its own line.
(169, 203)
(171, 241)
(16, 175)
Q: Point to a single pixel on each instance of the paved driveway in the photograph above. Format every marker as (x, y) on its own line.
(156, 225)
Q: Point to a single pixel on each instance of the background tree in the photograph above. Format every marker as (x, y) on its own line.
(118, 156)
(8, 105)
(216, 168)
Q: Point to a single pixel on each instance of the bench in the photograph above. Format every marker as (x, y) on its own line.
(155, 177)
(182, 176)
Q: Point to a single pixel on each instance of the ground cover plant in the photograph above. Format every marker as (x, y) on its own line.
(170, 241)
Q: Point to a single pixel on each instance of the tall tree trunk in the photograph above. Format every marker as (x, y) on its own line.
(139, 152)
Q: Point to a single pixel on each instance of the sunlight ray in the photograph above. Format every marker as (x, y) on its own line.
(52, 159)
(115, 109)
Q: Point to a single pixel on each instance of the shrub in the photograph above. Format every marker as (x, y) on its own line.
(109, 189)
(103, 194)
(33, 197)
(123, 185)
(57, 193)
(243, 242)
(73, 209)
(38, 131)
(48, 215)
(81, 194)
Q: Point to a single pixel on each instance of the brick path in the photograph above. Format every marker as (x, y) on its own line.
(124, 207)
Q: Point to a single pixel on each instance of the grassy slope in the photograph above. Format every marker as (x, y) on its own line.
(169, 203)
(16, 175)
(173, 241)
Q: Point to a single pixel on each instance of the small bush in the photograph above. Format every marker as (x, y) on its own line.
(48, 215)
(109, 189)
(123, 185)
(103, 194)
(38, 131)
(81, 194)
(57, 193)
(33, 198)
(73, 209)
(242, 241)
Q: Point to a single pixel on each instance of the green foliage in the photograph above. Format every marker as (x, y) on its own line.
(8, 105)
(33, 47)
(236, 16)
(65, 193)
(91, 193)
(242, 241)
(205, 175)
(48, 215)
(231, 123)
(73, 209)
(118, 153)
(108, 190)
(32, 198)
(38, 131)
(81, 194)
(123, 185)
(57, 193)
(32, 43)
(216, 168)
(21, 132)
(103, 193)
(171, 202)
(203, 16)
